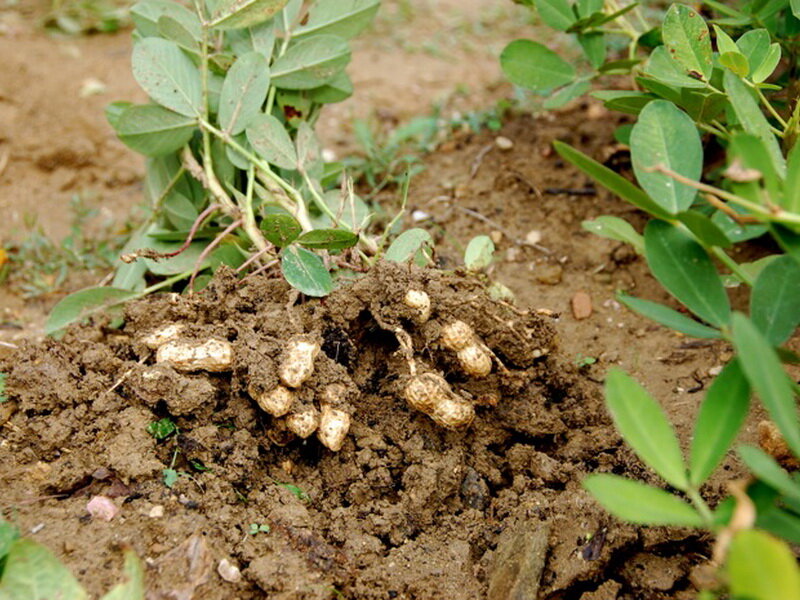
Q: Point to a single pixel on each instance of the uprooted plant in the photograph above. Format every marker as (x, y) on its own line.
(693, 84)
(235, 173)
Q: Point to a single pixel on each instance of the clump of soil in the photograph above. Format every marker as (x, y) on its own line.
(406, 508)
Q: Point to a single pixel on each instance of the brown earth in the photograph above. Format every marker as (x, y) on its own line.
(406, 509)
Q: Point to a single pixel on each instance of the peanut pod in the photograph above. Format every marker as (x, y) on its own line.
(333, 427)
(303, 422)
(277, 401)
(298, 361)
(211, 355)
(473, 355)
(431, 394)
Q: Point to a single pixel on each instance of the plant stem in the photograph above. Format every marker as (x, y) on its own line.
(768, 105)
(735, 268)
(701, 506)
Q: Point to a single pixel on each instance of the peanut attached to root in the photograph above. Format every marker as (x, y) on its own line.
(431, 394)
(420, 302)
(333, 427)
(211, 355)
(473, 355)
(298, 361)
(276, 402)
(158, 337)
(303, 422)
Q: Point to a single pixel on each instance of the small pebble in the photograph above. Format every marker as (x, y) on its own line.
(581, 306)
(549, 274)
(503, 143)
(714, 371)
(419, 215)
(496, 236)
(156, 512)
(102, 507)
(533, 237)
(228, 571)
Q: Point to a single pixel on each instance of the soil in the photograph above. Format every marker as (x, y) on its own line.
(406, 509)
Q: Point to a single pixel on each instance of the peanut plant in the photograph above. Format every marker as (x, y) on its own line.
(732, 84)
(235, 173)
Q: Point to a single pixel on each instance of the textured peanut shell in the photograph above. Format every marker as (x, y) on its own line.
(304, 422)
(421, 303)
(475, 360)
(457, 336)
(333, 427)
(277, 402)
(158, 337)
(211, 355)
(297, 364)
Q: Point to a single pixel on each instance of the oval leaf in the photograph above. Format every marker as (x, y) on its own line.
(535, 67)
(306, 272)
(642, 424)
(479, 253)
(682, 266)
(84, 303)
(237, 14)
(665, 136)
(639, 503)
(763, 466)
(243, 92)
(761, 567)
(775, 300)
(311, 62)
(269, 138)
(32, 572)
(280, 229)
(688, 40)
(408, 245)
(328, 239)
(345, 18)
(154, 130)
(765, 373)
(168, 76)
(669, 318)
(721, 416)
(615, 228)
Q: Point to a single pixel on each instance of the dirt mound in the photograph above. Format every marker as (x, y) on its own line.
(406, 508)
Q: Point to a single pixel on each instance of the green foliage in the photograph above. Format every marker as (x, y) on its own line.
(162, 429)
(3, 397)
(29, 571)
(235, 172)
(695, 84)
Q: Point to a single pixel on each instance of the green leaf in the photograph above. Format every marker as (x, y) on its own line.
(775, 300)
(535, 67)
(556, 13)
(625, 101)
(725, 42)
(84, 303)
(175, 31)
(280, 229)
(662, 67)
(736, 62)
(736, 232)
(338, 89)
(567, 94)
(668, 317)
(721, 415)
(761, 567)
(639, 503)
(478, 254)
(328, 239)
(306, 272)
(133, 588)
(180, 212)
(642, 424)
(764, 371)
(664, 135)
(270, 139)
(311, 62)
(243, 92)
(409, 245)
(153, 130)
(795, 4)
(238, 14)
(752, 154)
(594, 47)
(114, 111)
(32, 572)
(763, 466)
(704, 229)
(170, 477)
(687, 40)
(616, 229)
(259, 38)
(791, 189)
(682, 266)
(762, 56)
(145, 16)
(612, 181)
(345, 18)
(8, 533)
(752, 119)
(168, 76)
(162, 428)
(309, 153)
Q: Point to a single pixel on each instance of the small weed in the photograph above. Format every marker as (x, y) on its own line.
(162, 429)
(582, 361)
(256, 528)
(3, 397)
(38, 266)
(80, 17)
